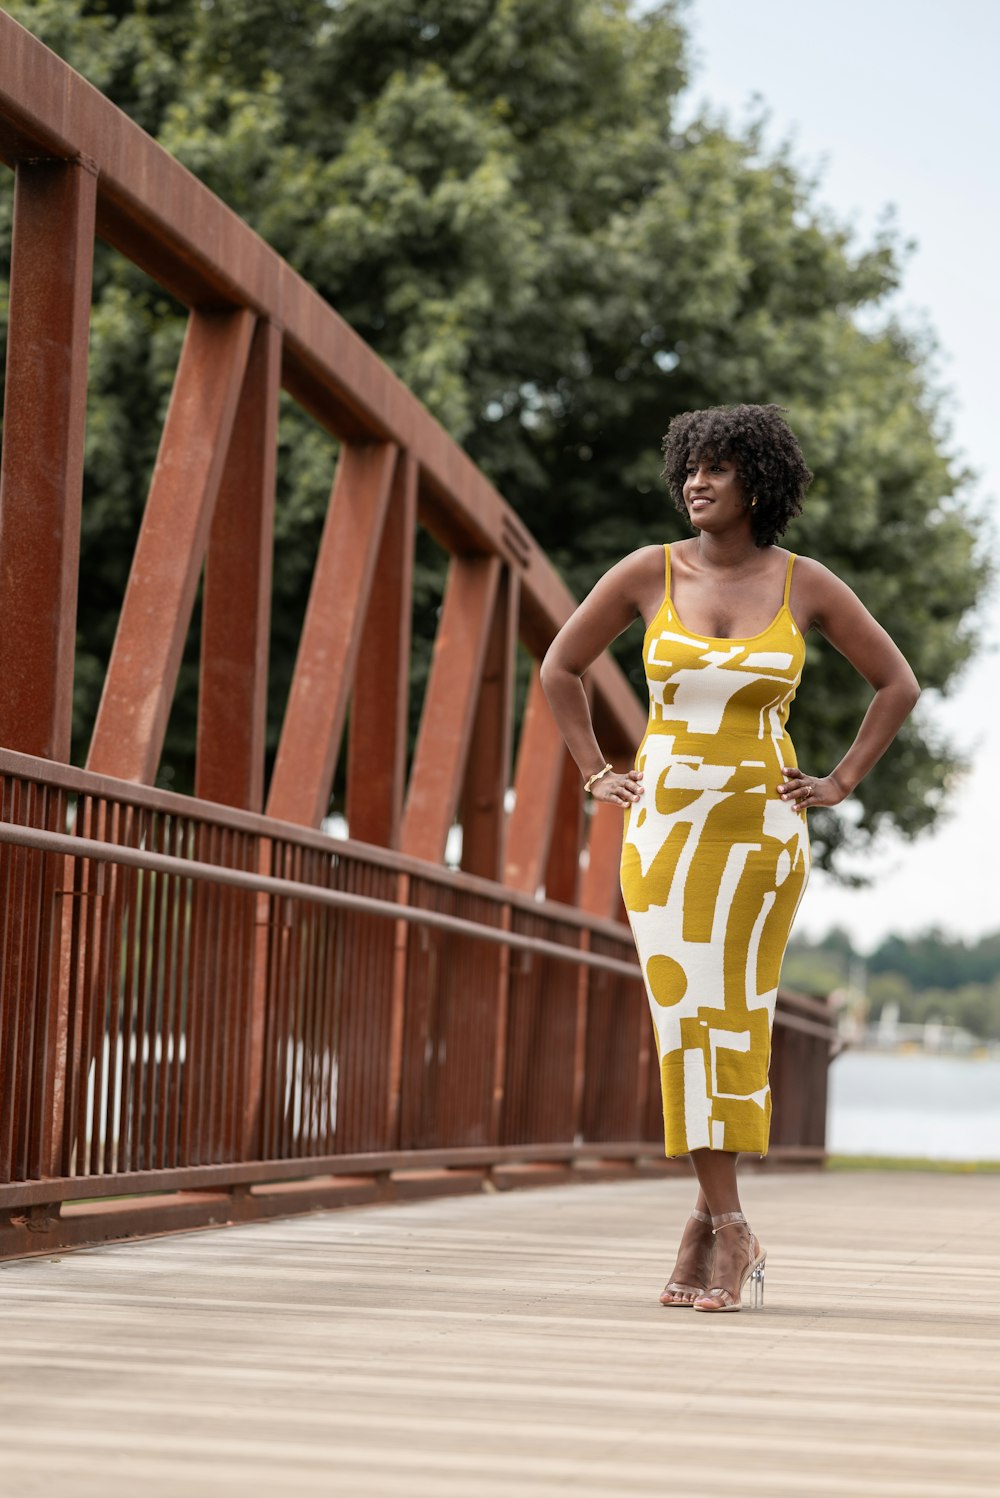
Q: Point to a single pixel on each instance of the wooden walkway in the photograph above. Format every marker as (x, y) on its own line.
(510, 1344)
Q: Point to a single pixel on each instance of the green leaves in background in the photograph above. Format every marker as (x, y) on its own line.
(930, 977)
(494, 193)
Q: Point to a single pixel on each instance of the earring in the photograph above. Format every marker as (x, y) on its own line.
(753, 503)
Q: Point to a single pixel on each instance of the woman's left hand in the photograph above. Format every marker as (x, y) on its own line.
(806, 791)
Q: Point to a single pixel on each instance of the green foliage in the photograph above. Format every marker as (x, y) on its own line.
(809, 971)
(893, 1162)
(495, 195)
(974, 1006)
(936, 961)
(925, 977)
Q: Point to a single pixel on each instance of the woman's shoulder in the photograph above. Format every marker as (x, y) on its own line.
(809, 570)
(818, 595)
(642, 563)
(636, 580)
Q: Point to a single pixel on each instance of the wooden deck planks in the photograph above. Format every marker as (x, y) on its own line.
(492, 1345)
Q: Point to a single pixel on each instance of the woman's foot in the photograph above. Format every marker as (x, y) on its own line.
(738, 1258)
(694, 1262)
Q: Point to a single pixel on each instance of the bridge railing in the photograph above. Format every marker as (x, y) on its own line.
(179, 1021)
(206, 996)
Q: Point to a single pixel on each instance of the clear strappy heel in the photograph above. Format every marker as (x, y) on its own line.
(754, 1272)
(675, 1287)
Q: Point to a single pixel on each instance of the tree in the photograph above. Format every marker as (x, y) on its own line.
(496, 196)
(933, 960)
(928, 976)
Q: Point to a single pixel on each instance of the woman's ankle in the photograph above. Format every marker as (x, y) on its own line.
(727, 1219)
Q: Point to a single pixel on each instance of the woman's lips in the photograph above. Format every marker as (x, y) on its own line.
(700, 503)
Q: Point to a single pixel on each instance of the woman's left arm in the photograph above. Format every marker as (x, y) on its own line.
(842, 618)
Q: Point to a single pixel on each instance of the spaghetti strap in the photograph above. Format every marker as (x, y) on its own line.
(788, 576)
(666, 572)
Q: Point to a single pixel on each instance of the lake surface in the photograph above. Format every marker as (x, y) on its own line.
(932, 1107)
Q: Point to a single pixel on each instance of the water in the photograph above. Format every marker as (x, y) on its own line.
(930, 1107)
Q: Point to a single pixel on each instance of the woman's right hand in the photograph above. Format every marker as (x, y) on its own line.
(618, 790)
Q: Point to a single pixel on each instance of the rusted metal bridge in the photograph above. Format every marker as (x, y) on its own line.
(209, 1009)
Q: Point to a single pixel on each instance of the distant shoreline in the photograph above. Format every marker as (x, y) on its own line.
(896, 1162)
(989, 1050)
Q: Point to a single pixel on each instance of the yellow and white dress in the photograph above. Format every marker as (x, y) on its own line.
(713, 867)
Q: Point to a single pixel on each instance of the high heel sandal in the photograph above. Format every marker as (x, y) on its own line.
(674, 1287)
(754, 1272)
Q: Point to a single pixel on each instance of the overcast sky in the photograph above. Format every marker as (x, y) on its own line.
(895, 100)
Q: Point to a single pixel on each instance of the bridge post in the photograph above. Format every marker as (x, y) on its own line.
(330, 644)
(446, 721)
(156, 611)
(41, 480)
(232, 686)
(487, 774)
(537, 779)
(376, 738)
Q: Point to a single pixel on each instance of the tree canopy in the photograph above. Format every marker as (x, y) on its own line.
(497, 196)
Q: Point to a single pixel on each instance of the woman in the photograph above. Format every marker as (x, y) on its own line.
(716, 850)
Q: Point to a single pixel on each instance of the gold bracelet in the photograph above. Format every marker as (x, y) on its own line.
(595, 778)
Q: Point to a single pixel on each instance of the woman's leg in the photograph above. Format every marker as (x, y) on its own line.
(692, 1270)
(716, 1171)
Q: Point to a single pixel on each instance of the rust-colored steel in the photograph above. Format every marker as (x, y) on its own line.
(541, 756)
(615, 1063)
(562, 870)
(50, 1019)
(376, 753)
(199, 999)
(600, 881)
(330, 644)
(30, 1029)
(41, 478)
(142, 674)
(394, 1037)
(112, 850)
(542, 1024)
(451, 1031)
(500, 1024)
(487, 776)
(442, 748)
(236, 612)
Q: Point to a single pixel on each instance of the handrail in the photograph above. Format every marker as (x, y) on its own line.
(191, 868)
(78, 782)
(137, 858)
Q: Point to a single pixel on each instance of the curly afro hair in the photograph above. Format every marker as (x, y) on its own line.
(764, 449)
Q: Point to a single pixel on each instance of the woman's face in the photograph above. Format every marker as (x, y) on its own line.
(713, 493)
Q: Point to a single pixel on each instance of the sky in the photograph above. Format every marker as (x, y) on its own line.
(894, 102)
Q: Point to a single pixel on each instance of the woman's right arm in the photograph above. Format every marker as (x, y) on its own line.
(608, 610)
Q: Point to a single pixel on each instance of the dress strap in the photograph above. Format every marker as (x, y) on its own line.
(666, 570)
(788, 576)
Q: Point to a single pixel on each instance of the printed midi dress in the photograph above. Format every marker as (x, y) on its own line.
(714, 864)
